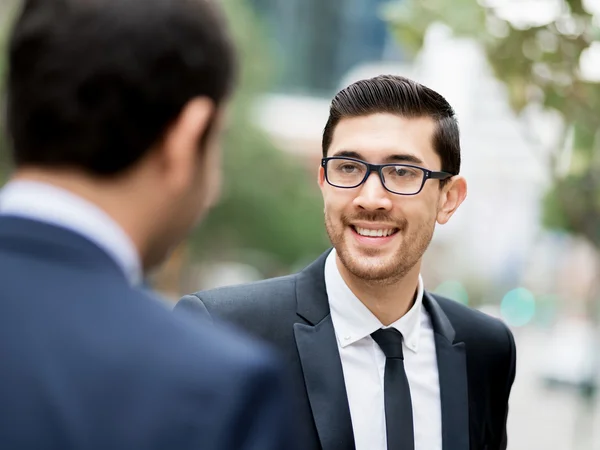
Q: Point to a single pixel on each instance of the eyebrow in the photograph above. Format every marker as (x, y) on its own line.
(401, 157)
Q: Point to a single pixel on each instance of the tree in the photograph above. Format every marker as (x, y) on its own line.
(7, 10)
(540, 64)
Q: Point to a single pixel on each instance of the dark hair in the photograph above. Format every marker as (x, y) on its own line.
(94, 84)
(406, 98)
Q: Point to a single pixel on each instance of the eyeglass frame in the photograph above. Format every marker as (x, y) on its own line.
(427, 174)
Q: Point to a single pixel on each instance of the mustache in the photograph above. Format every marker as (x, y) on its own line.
(375, 216)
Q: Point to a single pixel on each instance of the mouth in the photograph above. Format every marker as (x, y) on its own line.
(374, 233)
(374, 237)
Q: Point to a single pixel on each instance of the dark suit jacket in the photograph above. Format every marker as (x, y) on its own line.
(88, 362)
(475, 353)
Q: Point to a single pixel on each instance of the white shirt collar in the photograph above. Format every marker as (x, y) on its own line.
(352, 319)
(56, 206)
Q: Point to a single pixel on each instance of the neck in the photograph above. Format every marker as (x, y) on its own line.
(113, 196)
(388, 300)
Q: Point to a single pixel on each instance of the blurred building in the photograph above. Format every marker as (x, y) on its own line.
(317, 42)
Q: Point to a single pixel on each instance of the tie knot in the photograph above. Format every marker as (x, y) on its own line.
(390, 342)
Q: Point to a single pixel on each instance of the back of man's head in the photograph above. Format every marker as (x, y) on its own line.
(120, 102)
(94, 84)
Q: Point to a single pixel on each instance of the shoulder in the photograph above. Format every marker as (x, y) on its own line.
(470, 322)
(482, 333)
(213, 376)
(251, 291)
(489, 343)
(265, 309)
(195, 351)
(270, 294)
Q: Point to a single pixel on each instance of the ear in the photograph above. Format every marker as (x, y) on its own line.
(180, 148)
(321, 176)
(453, 194)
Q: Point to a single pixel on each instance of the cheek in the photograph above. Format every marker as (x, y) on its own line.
(337, 206)
(211, 175)
(417, 211)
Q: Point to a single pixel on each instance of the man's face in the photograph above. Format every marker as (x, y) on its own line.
(354, 217)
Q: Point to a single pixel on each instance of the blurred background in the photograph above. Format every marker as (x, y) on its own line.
(523, 76)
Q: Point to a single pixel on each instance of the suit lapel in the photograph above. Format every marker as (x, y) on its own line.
(320, 358)
(325, 384)
(452, 369)
(324, 379)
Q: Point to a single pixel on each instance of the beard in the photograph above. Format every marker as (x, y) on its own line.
(370, 264)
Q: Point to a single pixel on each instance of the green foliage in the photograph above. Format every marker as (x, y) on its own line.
(270, 205)
(539, 63)
(6, 13)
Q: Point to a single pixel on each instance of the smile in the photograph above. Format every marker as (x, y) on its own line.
(369, 232)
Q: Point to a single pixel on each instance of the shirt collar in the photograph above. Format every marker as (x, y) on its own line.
(59, 207)
(353, 321)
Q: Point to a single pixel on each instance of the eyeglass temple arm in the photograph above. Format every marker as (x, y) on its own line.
(439, 175)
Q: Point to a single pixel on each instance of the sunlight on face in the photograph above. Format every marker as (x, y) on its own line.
(378, 235)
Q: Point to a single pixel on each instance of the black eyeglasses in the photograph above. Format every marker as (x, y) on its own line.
(402, 179)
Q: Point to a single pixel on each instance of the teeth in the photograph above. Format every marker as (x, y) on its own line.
(374, 233)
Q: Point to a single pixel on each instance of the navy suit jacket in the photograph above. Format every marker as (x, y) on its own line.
(88, 362)
(476, 358)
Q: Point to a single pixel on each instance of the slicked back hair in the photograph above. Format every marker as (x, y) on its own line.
(405, 98)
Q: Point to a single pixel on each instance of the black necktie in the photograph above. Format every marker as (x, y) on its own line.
(398, 406)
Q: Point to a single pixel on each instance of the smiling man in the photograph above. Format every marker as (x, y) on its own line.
(378, 362)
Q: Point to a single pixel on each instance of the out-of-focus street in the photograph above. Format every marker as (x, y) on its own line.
(543, 417)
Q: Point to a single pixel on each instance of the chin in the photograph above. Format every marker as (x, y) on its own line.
(370, 264)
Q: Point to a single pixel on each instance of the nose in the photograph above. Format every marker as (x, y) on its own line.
(372, 195)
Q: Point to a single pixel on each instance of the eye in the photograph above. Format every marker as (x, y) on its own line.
(348, 167)
(403, 172)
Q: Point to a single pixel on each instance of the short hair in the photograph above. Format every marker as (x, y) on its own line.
(94, 84)
(406, 98)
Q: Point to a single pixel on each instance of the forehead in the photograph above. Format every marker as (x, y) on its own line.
(381, 138)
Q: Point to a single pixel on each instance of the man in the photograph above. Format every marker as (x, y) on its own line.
(114, 111)
(379, 363)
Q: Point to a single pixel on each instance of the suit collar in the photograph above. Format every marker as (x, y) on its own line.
(62, 245)
(452, 372)
(440, 322)
(313, 305)
(311, 293)
(59, 207)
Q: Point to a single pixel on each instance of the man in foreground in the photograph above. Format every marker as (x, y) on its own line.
(378, 362)
(114, 113)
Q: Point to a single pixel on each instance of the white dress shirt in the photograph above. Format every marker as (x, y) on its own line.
(46, 203)
(363, 365)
